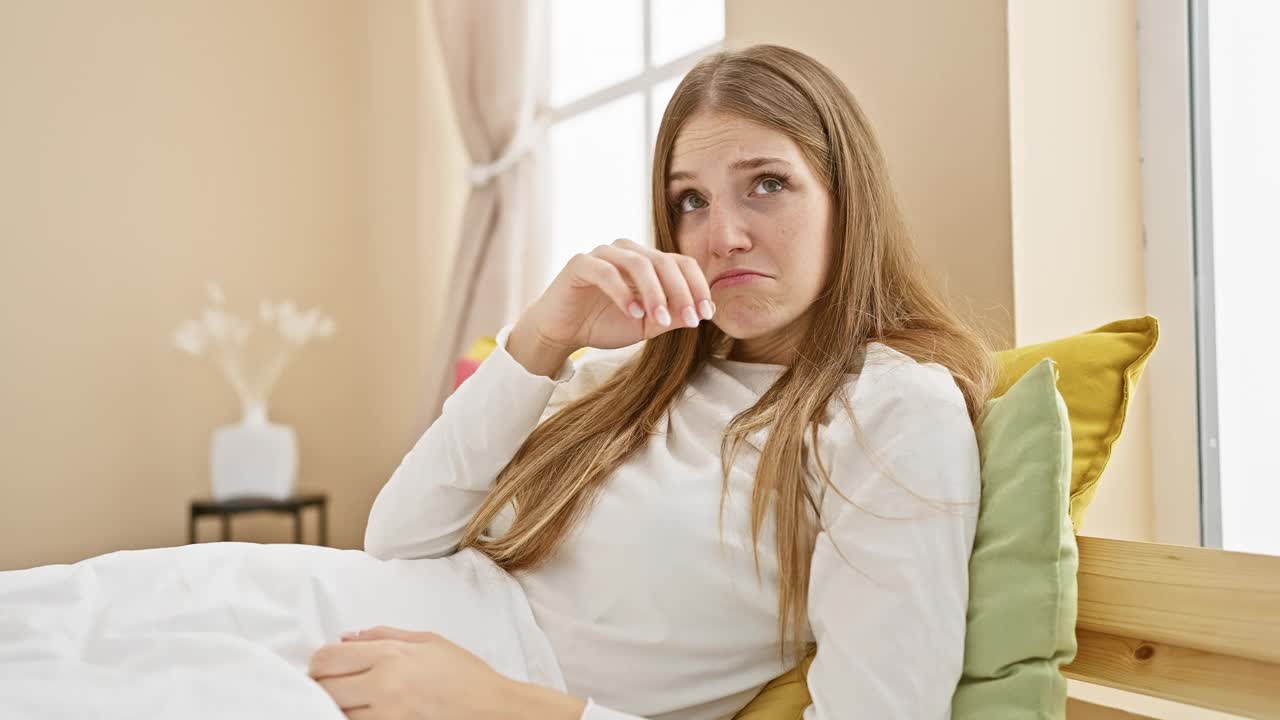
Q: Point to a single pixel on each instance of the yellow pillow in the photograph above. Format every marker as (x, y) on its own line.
(784, 698)
(1097, 373)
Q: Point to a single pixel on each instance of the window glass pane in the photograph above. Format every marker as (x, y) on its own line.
(598, 179)
(682, 26)
(594, 44)
(1244, 97)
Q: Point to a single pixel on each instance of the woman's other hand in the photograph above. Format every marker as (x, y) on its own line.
(614, 296)
(391, 674)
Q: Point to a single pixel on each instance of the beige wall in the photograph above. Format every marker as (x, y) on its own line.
(152, 145)
(1077, 207)
(933, 78)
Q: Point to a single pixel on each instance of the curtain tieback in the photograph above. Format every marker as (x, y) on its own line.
(526, 138)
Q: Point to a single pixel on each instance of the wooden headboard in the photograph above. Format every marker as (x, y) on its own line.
(1188, 624)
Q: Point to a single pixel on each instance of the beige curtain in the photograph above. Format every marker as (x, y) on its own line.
(495, 56)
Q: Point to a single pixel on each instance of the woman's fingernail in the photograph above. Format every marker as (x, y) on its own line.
(707, 309)
(664, 317)
(350, 635)
(636, 311)
(690, 317)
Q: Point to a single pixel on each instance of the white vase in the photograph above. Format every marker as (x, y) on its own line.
(255, 458)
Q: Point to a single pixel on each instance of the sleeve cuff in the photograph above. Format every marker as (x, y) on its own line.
(563, 375)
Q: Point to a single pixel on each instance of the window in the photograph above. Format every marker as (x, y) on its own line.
(1237, 154)
(1209, 113)
(614, 66)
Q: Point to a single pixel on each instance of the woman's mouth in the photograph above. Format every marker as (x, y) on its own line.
(735, 277)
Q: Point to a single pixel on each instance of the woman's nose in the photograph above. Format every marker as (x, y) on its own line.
(726, 231)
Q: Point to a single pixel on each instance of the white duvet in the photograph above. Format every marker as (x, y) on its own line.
(225, 630)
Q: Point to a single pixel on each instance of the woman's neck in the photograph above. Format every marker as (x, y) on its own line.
(776, 348)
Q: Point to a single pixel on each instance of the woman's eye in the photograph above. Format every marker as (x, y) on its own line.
(691, 202)
(768, 185)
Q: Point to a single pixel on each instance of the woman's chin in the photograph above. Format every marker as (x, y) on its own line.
(745, 323)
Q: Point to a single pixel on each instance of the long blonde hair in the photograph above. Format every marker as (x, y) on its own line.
(876, 290)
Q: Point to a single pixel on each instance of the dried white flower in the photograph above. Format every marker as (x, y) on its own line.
(226, 334)
(190, 338)
(217, 324)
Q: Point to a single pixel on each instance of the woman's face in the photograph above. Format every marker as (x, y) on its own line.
(758, 221)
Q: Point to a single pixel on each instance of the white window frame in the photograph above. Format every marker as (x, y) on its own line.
(1206, 333)
(644, 82)
(1178, 241)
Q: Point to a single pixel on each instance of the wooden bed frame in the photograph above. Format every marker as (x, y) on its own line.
(1187, 624)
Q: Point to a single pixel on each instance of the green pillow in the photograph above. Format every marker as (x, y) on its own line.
(1022, 576)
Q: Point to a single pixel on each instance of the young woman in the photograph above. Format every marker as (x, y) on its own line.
(781, 453)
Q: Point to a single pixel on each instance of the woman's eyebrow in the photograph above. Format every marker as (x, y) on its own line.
(738, 165)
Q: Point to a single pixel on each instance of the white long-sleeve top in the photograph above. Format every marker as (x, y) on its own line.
(650, 616)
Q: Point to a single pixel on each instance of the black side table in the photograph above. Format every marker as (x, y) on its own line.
(225, 509)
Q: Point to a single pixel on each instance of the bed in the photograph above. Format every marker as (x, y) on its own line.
(1193, 625)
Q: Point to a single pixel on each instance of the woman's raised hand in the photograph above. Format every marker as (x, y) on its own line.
(614, 296)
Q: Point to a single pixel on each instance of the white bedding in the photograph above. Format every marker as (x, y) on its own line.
(222, 630)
